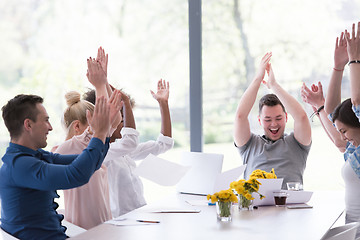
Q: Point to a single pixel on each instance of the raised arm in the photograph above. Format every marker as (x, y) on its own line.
(129, 120)
(115, 105)
(103, 58)
(97, 77)
(302, 128)
(79, 168)
(333, 97)
(353, 49)
(241, 126)
(100, 120)
(315, 98)
(162, 96)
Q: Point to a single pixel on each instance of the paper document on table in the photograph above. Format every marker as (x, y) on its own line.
(267, 187)
(198, 202)
(177, 211)
(161, 171)
(224, 179)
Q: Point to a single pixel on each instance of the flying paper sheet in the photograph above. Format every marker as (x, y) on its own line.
(160, 171)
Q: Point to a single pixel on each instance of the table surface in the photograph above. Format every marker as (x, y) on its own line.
(267, 222)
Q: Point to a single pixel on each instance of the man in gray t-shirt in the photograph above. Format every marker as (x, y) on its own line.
(287, 154)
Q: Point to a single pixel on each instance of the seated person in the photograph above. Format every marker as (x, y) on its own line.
(96, 191)
(287, 154)
(346, 117)
(30, 176)
(126, 189)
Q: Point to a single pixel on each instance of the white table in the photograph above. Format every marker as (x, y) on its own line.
(268, 222)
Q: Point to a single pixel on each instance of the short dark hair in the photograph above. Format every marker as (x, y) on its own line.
(18, 109)
(344, 113)
(270, 100)
(90, 96)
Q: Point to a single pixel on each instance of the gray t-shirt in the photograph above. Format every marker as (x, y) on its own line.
(287, 156)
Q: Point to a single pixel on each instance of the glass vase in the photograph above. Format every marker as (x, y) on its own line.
(245, 204)
(223, 211)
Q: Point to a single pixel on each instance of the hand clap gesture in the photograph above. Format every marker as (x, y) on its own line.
(265, 61)
(95, 73)
(99, 121)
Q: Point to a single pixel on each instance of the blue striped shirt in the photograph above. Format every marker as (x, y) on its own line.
(352, 153)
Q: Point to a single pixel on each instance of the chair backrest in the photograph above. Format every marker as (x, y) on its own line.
(344, 232)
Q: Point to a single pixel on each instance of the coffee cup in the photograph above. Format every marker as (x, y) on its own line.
(280, 198)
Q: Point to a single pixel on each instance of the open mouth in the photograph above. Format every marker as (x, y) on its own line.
(274, 130)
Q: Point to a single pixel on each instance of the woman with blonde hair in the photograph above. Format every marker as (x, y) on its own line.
(95, 194)
(74, 119)
(86, 206)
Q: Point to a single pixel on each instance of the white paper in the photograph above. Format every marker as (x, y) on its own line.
(197, 202)
(177, 211)
(224, 179)
(160, 171)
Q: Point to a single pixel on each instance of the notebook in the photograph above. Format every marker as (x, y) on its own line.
(201, 177)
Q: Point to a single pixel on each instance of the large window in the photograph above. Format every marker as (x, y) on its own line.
(44, 46)
(301, 36)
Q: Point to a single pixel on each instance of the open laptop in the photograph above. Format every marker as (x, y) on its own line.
(201, 177)
(267, 187)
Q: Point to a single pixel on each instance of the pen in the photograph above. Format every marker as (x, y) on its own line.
(147, 221)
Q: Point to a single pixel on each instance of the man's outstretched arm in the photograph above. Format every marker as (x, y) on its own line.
(242, 131)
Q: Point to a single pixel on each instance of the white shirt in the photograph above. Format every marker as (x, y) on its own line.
(126, 188)
(352, 194)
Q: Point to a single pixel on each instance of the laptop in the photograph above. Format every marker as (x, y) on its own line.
(201, 177)
(298, 197)
(267, 187)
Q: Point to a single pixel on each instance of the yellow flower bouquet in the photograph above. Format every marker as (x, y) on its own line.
(223, 200)
(262, 174)
(245, 188)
